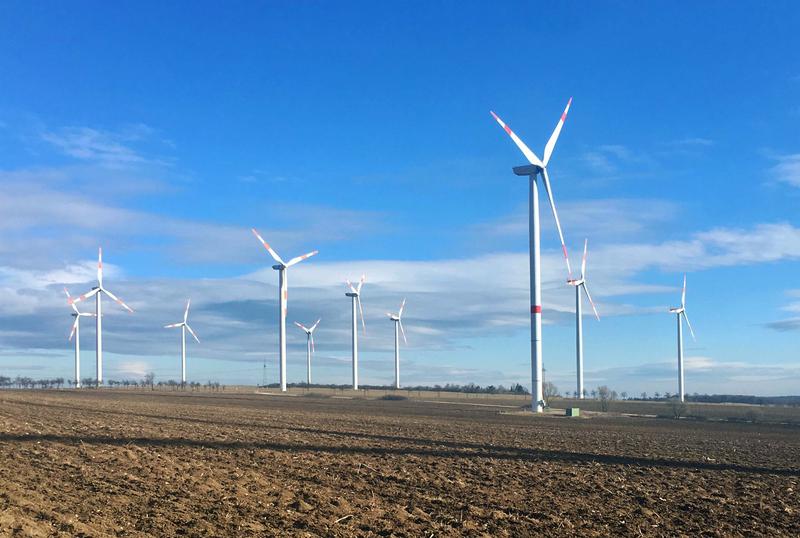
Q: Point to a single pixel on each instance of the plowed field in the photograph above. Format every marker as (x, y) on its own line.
(98, 463)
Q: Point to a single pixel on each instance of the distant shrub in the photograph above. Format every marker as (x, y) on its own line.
(393, 397)
(315, 395)
(678, 408)
(753, 415)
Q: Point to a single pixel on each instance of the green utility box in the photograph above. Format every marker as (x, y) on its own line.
(573, 411)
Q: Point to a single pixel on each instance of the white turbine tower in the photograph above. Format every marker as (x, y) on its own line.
(398, 328)
(184, 325)
(355, 295)
(309, 346)
(681, 311)
(76, 332)
(536, 168)
(283, 298)
(581, 283)
(98, 292)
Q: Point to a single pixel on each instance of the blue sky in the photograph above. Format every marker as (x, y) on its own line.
(362, 130)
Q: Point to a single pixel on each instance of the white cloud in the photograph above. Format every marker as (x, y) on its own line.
(609, 218)
(787, 169)
(703, 375)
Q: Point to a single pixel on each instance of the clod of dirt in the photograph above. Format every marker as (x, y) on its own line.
(301, 506)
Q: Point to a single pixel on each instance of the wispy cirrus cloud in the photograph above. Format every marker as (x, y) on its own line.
(792, 323)
(690, 142)
(787, 169)
(113, 149)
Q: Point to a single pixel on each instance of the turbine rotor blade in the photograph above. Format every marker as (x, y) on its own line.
(301, 326)
(74, 328)
(298, 259)
(100, 266)
(551, 144)
(531, 156)
(192, 332)
(402, 306)
(361, 311)
(688, 324)
(315, 325)
(683, 293)
(588, 296)
(361, 283)
(70, 302)
(85, 296)
(402, 331)
(350, 285)
(285, 297)
(555, 215)
(583, 262)
(311, 337)
(172, 325)
(118, 300)
(186, 312)
(269, 248)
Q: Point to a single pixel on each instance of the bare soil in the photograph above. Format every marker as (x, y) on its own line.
(124, 463)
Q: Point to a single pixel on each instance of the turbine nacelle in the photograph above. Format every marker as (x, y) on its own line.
(99, 289)
(681, 310)
(527, 170)
(355, 293)
(398, 318)
(581, 282)
(185, 322)
(539, 167)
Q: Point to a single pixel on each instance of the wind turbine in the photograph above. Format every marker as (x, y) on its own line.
(398, 328)
(681, 311)
(184, 325)
(581, 283)
(355, 295)
(536, 168)
(309, 345)
(76, 331)
(98, 292)
(283, 298)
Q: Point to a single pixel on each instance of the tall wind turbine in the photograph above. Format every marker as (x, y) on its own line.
(76, 331)
(98, 292)
(581, 283)
(536, 168)
(184, 325)
(355, 295)
(283, 298)
(398, 328)
(309, 346)
(681, 311)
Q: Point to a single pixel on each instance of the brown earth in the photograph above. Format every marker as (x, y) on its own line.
(98, 463)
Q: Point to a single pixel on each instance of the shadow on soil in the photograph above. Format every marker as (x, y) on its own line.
(494, 452)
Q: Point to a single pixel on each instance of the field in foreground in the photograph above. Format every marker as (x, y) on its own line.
(141, 464)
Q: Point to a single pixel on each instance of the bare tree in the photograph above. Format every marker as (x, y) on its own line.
(149, 379)
(550, 390)
(606, 396)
